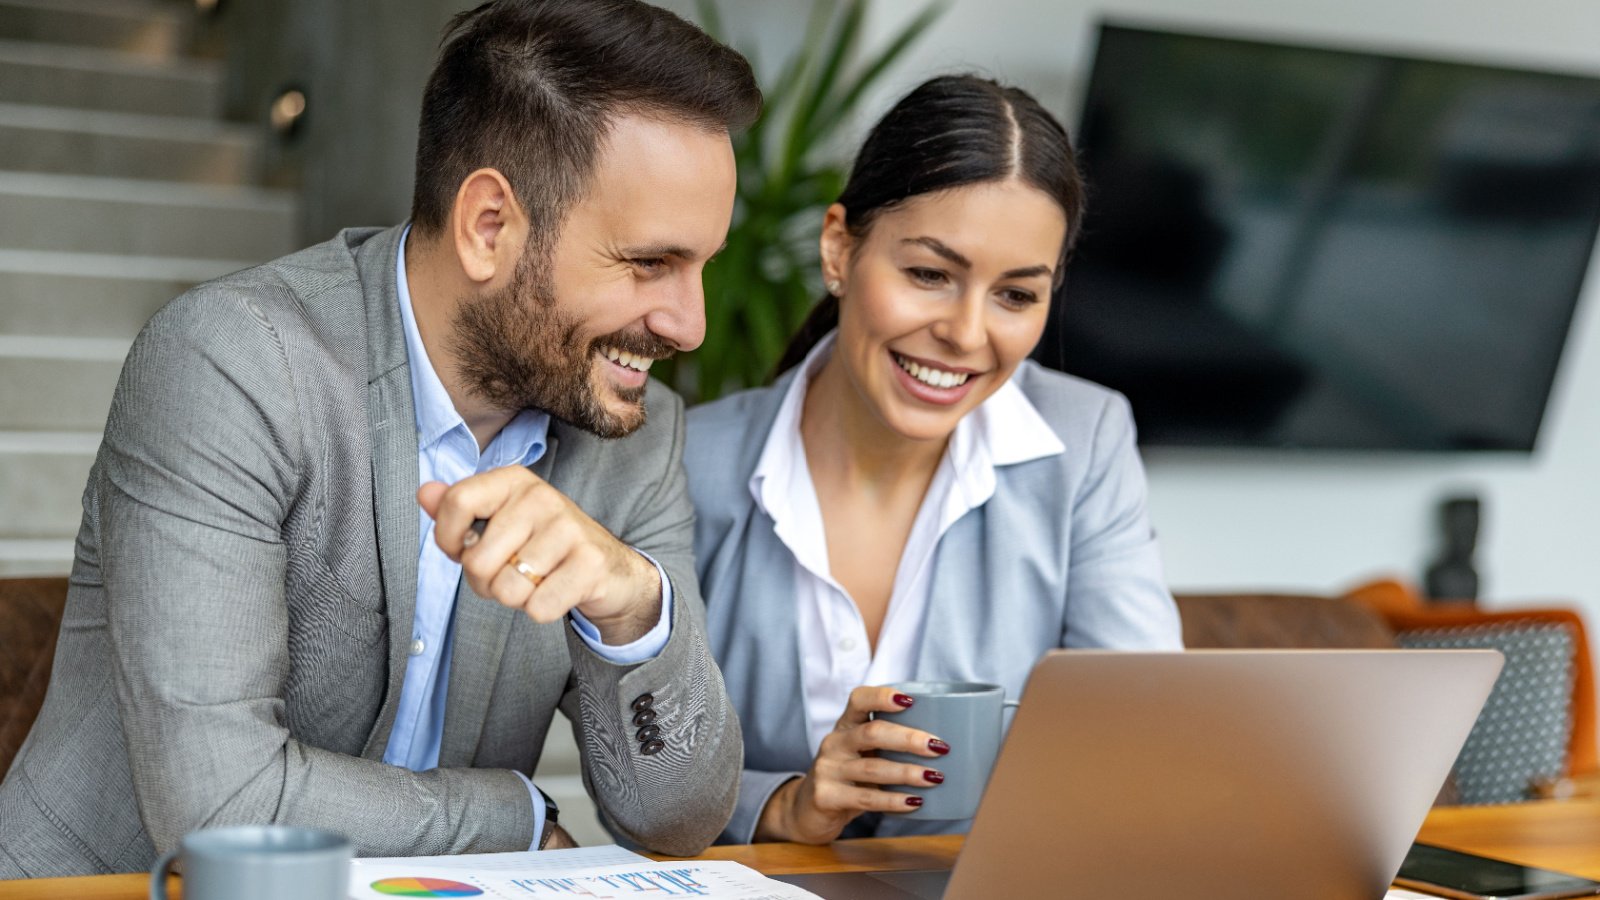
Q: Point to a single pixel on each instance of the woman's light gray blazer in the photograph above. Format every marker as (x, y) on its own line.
(1062, 555)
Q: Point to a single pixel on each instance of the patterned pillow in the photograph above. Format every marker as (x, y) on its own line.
(1522, 735)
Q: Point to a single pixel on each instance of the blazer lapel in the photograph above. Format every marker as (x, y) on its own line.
(392, 423)
(758, 649)
(958, 624)
(760, 653)
(481, 628)
(778, 675)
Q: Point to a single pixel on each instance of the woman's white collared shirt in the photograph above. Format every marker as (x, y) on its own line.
(835, 655)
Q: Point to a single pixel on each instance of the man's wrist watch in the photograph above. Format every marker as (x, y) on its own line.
(552, 812)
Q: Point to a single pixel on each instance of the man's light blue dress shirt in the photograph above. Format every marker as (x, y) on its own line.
(447, 452)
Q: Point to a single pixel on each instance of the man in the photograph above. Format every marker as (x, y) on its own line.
(263, 626)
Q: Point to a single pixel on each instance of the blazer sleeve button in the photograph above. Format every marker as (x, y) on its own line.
(644, 716)
(649, 733)
(643, 702)
(651, 748)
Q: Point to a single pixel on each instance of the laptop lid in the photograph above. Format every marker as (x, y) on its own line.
(1220, 773)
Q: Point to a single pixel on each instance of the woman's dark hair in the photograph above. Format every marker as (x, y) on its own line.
(530, 87)
(951, 131)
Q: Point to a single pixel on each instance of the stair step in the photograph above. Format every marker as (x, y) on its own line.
(42, 475)
(65, 349)
(93, 295)
(56, 384)
(23, 558)
(117, 216)
(155, 30)
(63, 140)
(56, 394)
(91, 78)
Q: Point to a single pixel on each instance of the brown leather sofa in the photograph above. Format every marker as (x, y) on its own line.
(30, 617)
(1280, 620)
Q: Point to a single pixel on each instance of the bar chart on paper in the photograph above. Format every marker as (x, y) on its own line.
(697, 880)
(642, 880)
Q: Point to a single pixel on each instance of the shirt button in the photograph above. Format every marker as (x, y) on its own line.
(847, 645)
(417, 646)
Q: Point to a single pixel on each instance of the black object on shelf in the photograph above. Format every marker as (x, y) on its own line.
(1453, 576)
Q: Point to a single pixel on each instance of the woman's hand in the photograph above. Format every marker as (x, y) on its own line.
(847, 777)
(559, 840)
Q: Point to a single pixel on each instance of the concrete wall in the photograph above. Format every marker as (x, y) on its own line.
(362, 65)
(1319, 521)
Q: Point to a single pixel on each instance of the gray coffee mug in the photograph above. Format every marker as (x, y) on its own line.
(258, 862)
(969, 716)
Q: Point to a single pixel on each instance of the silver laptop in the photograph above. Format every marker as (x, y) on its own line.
(1209, 773)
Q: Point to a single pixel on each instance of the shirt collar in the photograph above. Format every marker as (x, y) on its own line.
(522, 440)
(1012, 428)
(1006, 429)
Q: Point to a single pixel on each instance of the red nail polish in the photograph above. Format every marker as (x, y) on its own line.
(933, 775)
(913, 801)
(903, 700)
(938, 746)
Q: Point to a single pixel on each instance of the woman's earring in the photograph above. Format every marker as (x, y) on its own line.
(834, 287)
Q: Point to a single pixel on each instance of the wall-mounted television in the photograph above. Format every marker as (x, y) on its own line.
(1290, 246)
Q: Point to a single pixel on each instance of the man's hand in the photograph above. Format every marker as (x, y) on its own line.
(541, 554)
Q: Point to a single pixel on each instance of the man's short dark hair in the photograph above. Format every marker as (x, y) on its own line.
(529, 87)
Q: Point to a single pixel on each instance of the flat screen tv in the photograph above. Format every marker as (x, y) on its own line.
(1298, 247)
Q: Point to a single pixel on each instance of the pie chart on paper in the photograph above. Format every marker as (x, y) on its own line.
(424, 887)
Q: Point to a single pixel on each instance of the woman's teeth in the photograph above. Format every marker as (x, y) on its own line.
(623, 358)
(938, 378)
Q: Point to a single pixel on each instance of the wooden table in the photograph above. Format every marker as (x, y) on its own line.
(1561, 835)
(1555, 834)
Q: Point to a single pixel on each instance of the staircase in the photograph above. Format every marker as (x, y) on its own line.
(120, 187)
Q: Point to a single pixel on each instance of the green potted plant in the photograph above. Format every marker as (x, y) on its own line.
(761, 286)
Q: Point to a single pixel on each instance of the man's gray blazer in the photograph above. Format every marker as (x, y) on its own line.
(1062, 555)
(237, 629)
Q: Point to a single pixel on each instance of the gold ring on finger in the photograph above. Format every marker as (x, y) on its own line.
(526, 570)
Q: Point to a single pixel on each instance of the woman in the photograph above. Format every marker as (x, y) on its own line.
(913, 498)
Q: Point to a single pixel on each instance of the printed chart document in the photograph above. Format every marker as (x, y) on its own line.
(597, 873)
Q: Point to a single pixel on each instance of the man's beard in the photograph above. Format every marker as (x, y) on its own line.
(515, 349)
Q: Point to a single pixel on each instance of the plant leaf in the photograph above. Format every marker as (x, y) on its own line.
(765, 280)
(799, 140)
(896, 48)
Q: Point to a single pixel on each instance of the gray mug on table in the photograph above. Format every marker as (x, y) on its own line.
(258, 862)
(969, 716)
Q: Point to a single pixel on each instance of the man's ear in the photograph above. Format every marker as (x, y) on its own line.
(488, 226)
(836, 244)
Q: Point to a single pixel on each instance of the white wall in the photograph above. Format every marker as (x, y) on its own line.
(1318, 521)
